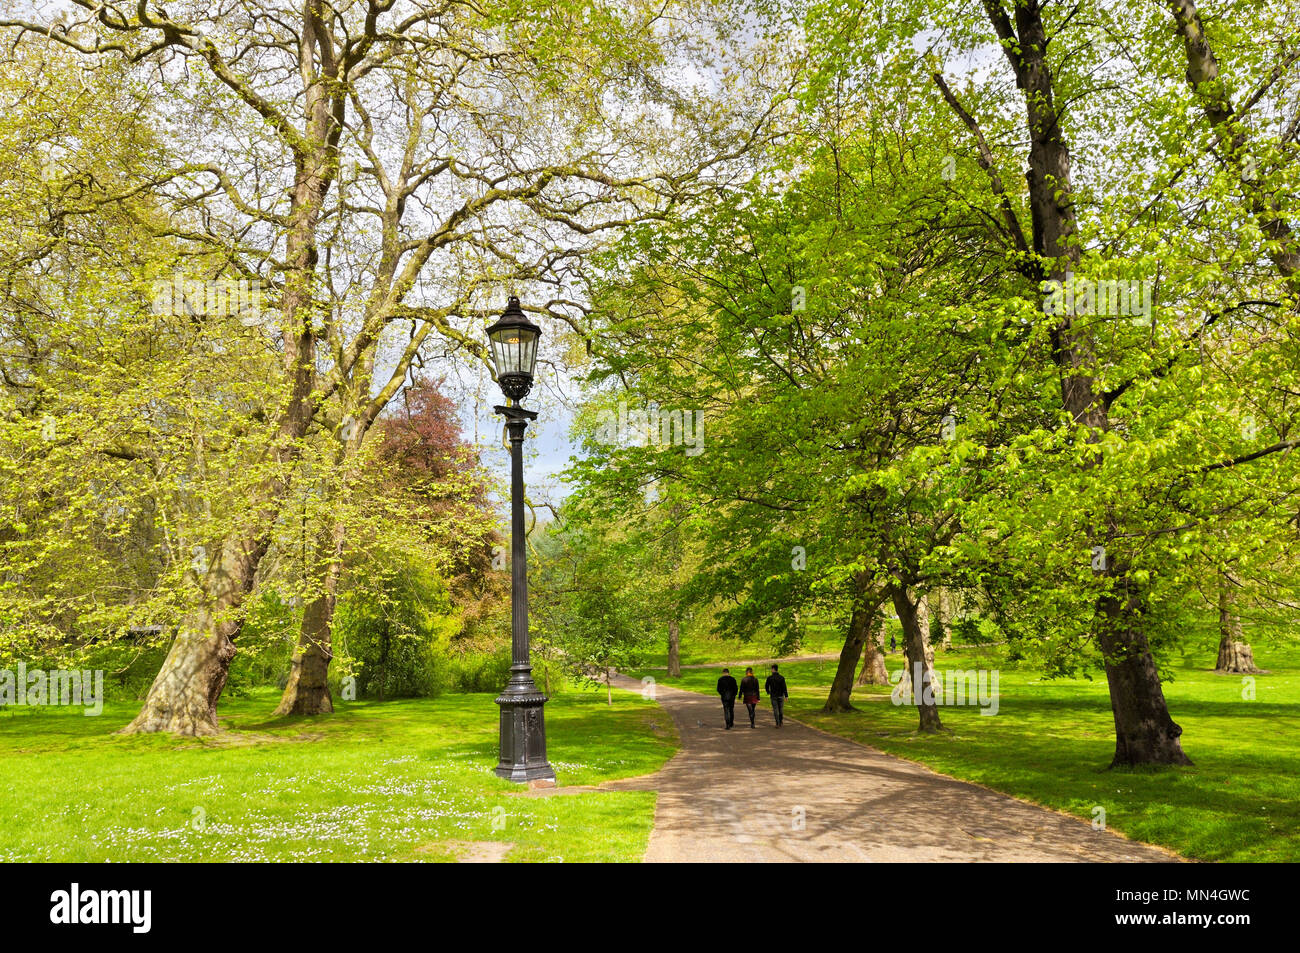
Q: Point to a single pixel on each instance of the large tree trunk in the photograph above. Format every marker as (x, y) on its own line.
(183, 697)
(1235, 655)
(874, 671)
(925, 654)
(923, 621)
(308, 690)
(920, 659)
(674, 649)
(1144, 732)
(859, 630)
(940, 601)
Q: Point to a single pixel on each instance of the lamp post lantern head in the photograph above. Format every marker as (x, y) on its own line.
(514, 351)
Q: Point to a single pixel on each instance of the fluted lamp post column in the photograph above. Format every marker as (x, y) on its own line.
(523, 727)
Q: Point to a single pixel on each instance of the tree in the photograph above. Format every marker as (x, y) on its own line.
(1234, 656)
(396, 624)
(824, 400)
(425, 462)
(1052, 252)
(586, 612)
(129, 418)
(899, 378)
(860, 638)
(383, 169)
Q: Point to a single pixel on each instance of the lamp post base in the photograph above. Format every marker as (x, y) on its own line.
(523, 738)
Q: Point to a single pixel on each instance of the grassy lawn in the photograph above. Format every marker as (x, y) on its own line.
(1051, 741)
(402, 780)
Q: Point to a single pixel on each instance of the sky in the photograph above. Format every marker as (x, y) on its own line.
(548, 447)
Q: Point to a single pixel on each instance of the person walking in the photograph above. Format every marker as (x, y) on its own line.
(727, 691)
(776, 690)
(749, 693)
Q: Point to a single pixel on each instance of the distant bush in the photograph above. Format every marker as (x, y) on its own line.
(975, 630)
(265, 644)
(393, 629)
(478, 671)
(129, 665)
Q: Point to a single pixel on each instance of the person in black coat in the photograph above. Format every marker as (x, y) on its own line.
(749, 693)
(727, 690)
(776, 690)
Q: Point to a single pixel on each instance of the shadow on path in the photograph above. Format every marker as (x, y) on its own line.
(796, 794)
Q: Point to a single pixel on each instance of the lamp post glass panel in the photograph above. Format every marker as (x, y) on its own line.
(523, 728)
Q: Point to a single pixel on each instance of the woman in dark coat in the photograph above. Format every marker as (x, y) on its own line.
(749, 693)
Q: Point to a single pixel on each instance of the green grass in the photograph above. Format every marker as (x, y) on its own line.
(396, 781)
(1052, 740)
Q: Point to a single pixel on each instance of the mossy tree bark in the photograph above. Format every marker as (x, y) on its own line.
(867, 601)
(919, 657)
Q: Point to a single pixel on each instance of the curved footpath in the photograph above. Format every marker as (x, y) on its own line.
(797, 794)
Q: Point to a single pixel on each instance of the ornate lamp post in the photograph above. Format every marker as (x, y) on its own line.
(523, 728)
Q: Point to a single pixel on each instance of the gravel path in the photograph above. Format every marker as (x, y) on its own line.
(797, 794)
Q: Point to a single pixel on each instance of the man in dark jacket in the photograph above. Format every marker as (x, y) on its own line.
(727, 689)
(775, 688)
(749, 693)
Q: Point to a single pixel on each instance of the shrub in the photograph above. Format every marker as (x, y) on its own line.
(266, 643)
(479, 671)
(393, 629)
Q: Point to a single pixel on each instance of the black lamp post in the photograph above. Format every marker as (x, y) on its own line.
(523, 728)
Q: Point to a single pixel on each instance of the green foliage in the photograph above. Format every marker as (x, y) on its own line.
(266, 644)
(154, 451)
(479, 671)
(394, 631)
(589, 620)
(864, 325)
